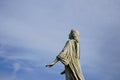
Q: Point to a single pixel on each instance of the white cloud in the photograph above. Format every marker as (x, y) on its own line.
(16, 66)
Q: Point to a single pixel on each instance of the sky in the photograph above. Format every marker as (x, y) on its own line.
(33, 32)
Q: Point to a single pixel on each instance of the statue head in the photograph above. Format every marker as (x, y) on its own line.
(74, 34)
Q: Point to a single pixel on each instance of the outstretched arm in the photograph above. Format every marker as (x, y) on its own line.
(53, 63)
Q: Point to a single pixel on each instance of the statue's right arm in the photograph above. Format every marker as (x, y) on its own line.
(53, 63)
(58, 57)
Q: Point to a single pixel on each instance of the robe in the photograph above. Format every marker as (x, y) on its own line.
(70, 57)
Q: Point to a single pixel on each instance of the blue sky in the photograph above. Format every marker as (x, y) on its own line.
(33, 32)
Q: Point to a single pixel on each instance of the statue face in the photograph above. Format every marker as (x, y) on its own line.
(71, 35)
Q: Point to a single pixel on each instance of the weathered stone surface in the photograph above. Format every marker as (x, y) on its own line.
(70, 57)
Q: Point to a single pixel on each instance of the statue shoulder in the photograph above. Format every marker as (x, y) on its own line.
(70, 41)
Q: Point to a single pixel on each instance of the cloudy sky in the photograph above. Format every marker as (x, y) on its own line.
(33, 32)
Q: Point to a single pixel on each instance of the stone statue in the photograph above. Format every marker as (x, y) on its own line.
(70, 57)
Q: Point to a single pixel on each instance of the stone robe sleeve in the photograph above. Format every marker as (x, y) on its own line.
(64, 56)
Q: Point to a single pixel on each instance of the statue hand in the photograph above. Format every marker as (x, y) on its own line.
(49, 65)
(53, 63)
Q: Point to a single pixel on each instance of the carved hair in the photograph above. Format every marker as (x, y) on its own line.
(74, 34)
